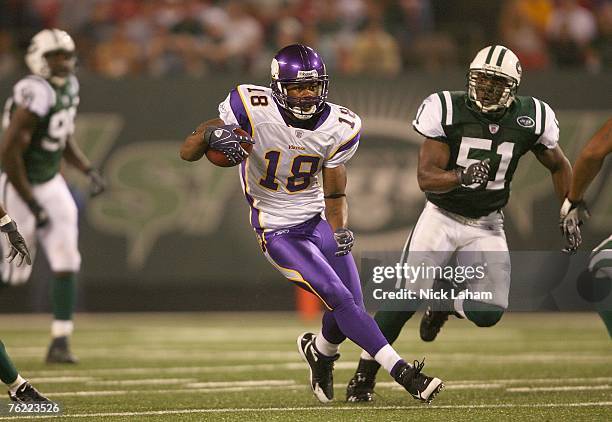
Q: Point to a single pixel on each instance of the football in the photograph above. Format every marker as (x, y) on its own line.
(219, 159)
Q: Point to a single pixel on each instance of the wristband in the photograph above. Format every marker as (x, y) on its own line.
(459, 174)
(335, 196)
(7, 224)
(5, 220)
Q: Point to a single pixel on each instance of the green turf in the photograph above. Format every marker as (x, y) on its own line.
(209, 366)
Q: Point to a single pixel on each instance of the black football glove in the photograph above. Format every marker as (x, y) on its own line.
(97, 185)
(477, 173)
(345, 240)
(18, 247)
(571, 217)
(224, 139)
(42, 218)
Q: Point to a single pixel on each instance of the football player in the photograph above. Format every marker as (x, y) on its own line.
(473, 143)
(294, 181)
(574, 211)
(20, 390)
(38, 126)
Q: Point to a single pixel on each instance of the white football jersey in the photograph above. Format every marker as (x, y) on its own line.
(280, 178)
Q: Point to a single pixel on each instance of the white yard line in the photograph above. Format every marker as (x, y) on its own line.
(144, 381)
(258, 383)
(174, 391)
(563, 388)
(59, 380)
(251, 367)
(324, 408)
(448, 385)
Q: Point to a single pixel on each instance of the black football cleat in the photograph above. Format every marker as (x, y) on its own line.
(360, 388)
(437, 312)
(28, 394)
(59, 352)
(419, 385)
(321, 368)
(431, 323)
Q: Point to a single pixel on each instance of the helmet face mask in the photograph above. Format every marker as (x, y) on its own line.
(299, 81)
(302, 98)
(60, 62)
(51, 55)
(493, 79)
(490, 92)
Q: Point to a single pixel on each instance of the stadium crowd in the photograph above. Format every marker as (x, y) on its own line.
(122, 38)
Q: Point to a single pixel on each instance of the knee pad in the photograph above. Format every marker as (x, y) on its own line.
(482, 314)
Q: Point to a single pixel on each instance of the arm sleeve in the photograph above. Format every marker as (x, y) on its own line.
(550, 134)
(233, 111)
(34, 96)
(428, 120)
(344, 152)
(347, 147)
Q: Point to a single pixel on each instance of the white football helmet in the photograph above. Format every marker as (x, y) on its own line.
(493, 78)
(47, 41)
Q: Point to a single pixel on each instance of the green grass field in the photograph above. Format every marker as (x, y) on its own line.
(169, 367)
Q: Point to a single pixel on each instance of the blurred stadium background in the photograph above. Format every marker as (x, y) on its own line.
(175, 235)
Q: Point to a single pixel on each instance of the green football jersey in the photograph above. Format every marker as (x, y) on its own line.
(600, 263)
(528, 124)
(56, 109)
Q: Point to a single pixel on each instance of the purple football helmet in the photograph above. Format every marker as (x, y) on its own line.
(296, 65)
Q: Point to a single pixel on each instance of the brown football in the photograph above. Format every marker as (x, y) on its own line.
(219, 159)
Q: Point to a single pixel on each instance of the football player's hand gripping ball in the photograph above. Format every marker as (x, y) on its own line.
(97, 185)
(345, 240)
(475, 174)
(571, 217)
(224, 139)
(18, 246)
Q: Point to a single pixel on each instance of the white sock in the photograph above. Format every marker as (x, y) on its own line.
(366, 356)
(325, 347)
(61, 328)
(387, 357)
(13, 387)
(458, 305)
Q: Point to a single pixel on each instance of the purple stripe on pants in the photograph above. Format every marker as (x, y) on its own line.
(308, 249)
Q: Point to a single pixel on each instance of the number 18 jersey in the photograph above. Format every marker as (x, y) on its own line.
(280, 178)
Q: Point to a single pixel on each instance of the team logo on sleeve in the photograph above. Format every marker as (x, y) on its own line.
(525, 121)
(493, 128)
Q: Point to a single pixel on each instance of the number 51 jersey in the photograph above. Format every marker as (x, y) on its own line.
(528, 125)
(280, 178)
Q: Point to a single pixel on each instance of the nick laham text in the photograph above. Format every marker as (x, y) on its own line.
(428, 294)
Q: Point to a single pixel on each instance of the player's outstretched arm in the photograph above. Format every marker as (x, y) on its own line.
(589, 161)
(195, 145)
(336, 207)
(76, 158)
(560, 169)
(16, 139)
(431, 174)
